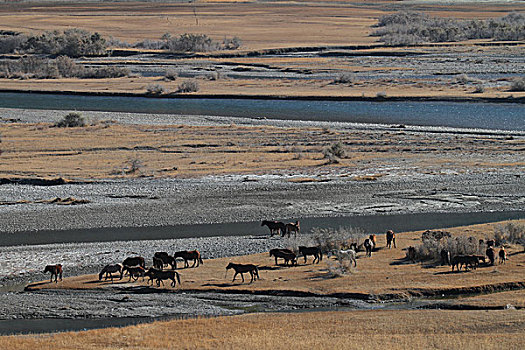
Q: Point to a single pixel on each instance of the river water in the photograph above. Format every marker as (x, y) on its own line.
(499, 116)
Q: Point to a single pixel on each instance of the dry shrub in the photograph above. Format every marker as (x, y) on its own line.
(510, 233)
(435, 241)
(71, 120)
(155, 89)
(171, 74)
(334, 152)
(518, 84)
(188, 86)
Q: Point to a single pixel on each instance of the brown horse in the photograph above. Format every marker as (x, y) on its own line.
(160, 276)
(108, 270)
(158, 263)
(285, 254)
(502, 255)
(243, 268)
(390, 238)
(275, 227)
(55, 270)
(166, 259)
(134, 272)
(134, 261)
(292, 227)
(194, 255)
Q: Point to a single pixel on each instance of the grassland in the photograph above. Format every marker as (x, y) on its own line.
(386, 274)
(106, 150)
(324, 26)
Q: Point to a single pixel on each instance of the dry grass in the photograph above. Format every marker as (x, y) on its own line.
(414, 329)
(384, 275)
(105, 150)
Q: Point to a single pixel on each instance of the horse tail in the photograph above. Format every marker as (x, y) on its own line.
(200, 259)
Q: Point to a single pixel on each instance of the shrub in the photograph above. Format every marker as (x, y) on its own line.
(479, 89)
(344, 78)
(188, 86)
(408, 28)
(518, 84)
(133, 165)
(336, 150)
(71, 42)
(510, 233)
(155, 89)
(329, 239)
(434, 242)
(381, 94)
(71, 120)
(231, 44)
(171, 74)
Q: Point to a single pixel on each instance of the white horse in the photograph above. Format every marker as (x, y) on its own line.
(348, 254)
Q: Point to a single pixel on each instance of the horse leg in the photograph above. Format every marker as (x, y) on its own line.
(276, 261)
(251, 274)
(242, 275)
(194, 262)
(235, 275)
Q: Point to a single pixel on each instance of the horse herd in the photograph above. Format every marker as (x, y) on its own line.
(467, 261)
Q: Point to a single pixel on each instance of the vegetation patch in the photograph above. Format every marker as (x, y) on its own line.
(410, 28)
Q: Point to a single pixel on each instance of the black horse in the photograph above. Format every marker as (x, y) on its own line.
(243, 268)
(314, 251)
(275, 227)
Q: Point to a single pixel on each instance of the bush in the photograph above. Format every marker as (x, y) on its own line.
(434, 242)
(409, 28)
(335, 151)
(344, 78)
(479, 89)
(188, 86)
(171, 74)
(71, 42)
(188, 42)
(510, 233)
(155, 89)
(518, 84)
(231, 44)
(62, 66)
(71, 120)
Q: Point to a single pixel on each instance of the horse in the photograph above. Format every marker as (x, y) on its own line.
(314, 251)
(243, 268)
(292, 227)
(194, 255)
(445, 257)
(285, 254)
(369, 246)
(55, 270)
(502, 255)
(390, 238)
(467, 261)
(134, 272)
(160, 276)
(491, 254)
(108, 270)
(348, 254)
(275, 226)
(158, 263)
(166, 259)
(134, 261)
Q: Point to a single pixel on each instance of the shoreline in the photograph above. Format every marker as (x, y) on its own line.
(280, 97)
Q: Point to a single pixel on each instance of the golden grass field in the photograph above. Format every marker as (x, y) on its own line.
(386, 275)
(376, 276)
(260, 26)
(105, 150)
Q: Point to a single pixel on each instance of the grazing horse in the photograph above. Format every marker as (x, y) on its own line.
(369, 246)
(166, 259)
(491, 254)
(314, 251)
(160, 276)
(467, 261)
(390, 238)
(285, 254)
(134, 261)
(292, 227)
(275, 227)
(158, 263)
(502, 255)
(134, 272)
(373, 238)
(348, 254)
(55, 270)
(194, 255)
(445, 257)
(243, 268)
(108, 270)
